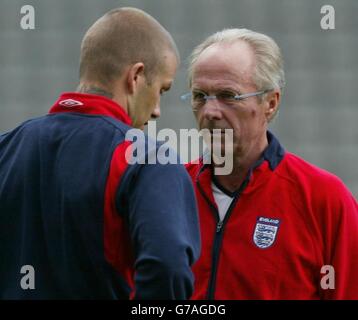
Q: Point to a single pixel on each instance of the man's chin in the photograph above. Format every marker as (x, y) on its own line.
(143, 126)
(140, 126)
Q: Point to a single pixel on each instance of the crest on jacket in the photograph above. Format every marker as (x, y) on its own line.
(265, 232)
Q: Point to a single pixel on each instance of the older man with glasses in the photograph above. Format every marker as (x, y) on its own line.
(276, 226)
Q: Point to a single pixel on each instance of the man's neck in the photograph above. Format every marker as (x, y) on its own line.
(241, 166)
(94, 90)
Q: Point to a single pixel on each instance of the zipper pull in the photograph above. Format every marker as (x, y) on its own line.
(219, 226)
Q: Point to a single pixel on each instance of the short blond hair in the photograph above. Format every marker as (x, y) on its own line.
(122, 37)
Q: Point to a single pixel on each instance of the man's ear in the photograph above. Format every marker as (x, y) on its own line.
(273, 102)
(135, 75)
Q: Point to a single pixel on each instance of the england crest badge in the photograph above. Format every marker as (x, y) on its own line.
(265, 232)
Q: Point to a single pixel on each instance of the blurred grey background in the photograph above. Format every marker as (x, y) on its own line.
(318, 117)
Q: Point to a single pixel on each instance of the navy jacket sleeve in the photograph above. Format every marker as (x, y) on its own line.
(162, 217)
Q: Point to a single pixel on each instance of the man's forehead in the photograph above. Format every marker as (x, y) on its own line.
(230, 61)
(168, 68)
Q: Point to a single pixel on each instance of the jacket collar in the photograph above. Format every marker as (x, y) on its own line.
(90, 104)
(273, 154)
(270, 158)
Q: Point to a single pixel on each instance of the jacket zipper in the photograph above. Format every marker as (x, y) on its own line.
(217, 246)
(215, 259)
(220, 225)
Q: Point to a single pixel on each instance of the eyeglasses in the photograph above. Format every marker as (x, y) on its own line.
(198, 98)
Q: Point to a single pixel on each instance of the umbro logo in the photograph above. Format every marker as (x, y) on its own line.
(69, 103)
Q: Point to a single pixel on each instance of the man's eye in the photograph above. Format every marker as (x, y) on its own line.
(226, 96)
(198, 96)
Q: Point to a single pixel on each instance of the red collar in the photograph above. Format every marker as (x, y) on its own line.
(90, 104)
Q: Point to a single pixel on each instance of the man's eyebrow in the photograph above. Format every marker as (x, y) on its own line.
(218, 89)
(230, 89)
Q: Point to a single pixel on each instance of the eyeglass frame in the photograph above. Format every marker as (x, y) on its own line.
(238, 97)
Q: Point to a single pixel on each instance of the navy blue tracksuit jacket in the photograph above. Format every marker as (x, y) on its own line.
(91, 225)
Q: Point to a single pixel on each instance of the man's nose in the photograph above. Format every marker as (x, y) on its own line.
(212, 110)
(156, 112)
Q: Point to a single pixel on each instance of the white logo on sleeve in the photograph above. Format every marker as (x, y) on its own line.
(69, 103)
(265, 232)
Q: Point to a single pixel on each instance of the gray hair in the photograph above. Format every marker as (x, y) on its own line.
(268, 74)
